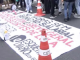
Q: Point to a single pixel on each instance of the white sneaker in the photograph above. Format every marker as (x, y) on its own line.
(77, 16)
(18, 6)
(26, 10)
(53, 16)
(30, 10)
(44, 12)
(5, 7)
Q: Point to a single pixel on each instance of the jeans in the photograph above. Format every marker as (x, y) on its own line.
(56, 4)
(77, 5)
(28, 5)
(67, 9)
(60, 5)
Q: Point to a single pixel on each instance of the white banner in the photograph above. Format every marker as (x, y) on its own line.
(25, 35)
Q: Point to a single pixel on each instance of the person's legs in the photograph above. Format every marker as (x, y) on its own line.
(47, 6)
(56, 4)
(21, 4)
(65, 9)
(8, 3)
(42, 5)
(30, 5)
(32, 1)
(27, 5)
(52, 9)
(73, 8)
(5, 2)
(77, 4)
(60, 7)
(13, 2)
(24, 4)
(70, 9)
(0, 7)
(17, 3)
(1, 1)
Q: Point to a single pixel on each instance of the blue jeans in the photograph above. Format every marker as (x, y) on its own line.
(67, 9)
(28, 5)
(77, 5)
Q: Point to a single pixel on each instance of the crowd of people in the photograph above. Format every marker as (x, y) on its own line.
(49, 6)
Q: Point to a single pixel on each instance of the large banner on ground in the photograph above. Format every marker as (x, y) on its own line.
(25, 34)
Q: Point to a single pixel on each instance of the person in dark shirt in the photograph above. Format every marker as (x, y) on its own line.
(68, 9)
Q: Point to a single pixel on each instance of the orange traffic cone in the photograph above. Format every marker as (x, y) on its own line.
(39, 9)
(44, 52)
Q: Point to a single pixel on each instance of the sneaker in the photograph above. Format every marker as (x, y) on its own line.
(77, 16)
(59, 13)
(68, 18)
(0, 10)
(26, 10)
(30, 10)
(44, 12)
(5, 7)
(65, 19)
(18, 6)
(53, 16)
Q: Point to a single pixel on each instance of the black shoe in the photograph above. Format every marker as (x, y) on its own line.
(47, 13)
(65, 19)
(59, 13)
(54, 15)
(0, 10)
(68, 19)
(4, 39)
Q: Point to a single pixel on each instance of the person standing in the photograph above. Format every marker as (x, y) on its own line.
(67, 9)
(1, 1)
(74, 8)
(43, 5)
(47, 6)
(22, 3)
(52, 13)
(56, 4)
(28, 5)
(77, 5)
(6, 2)
(60, 6)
